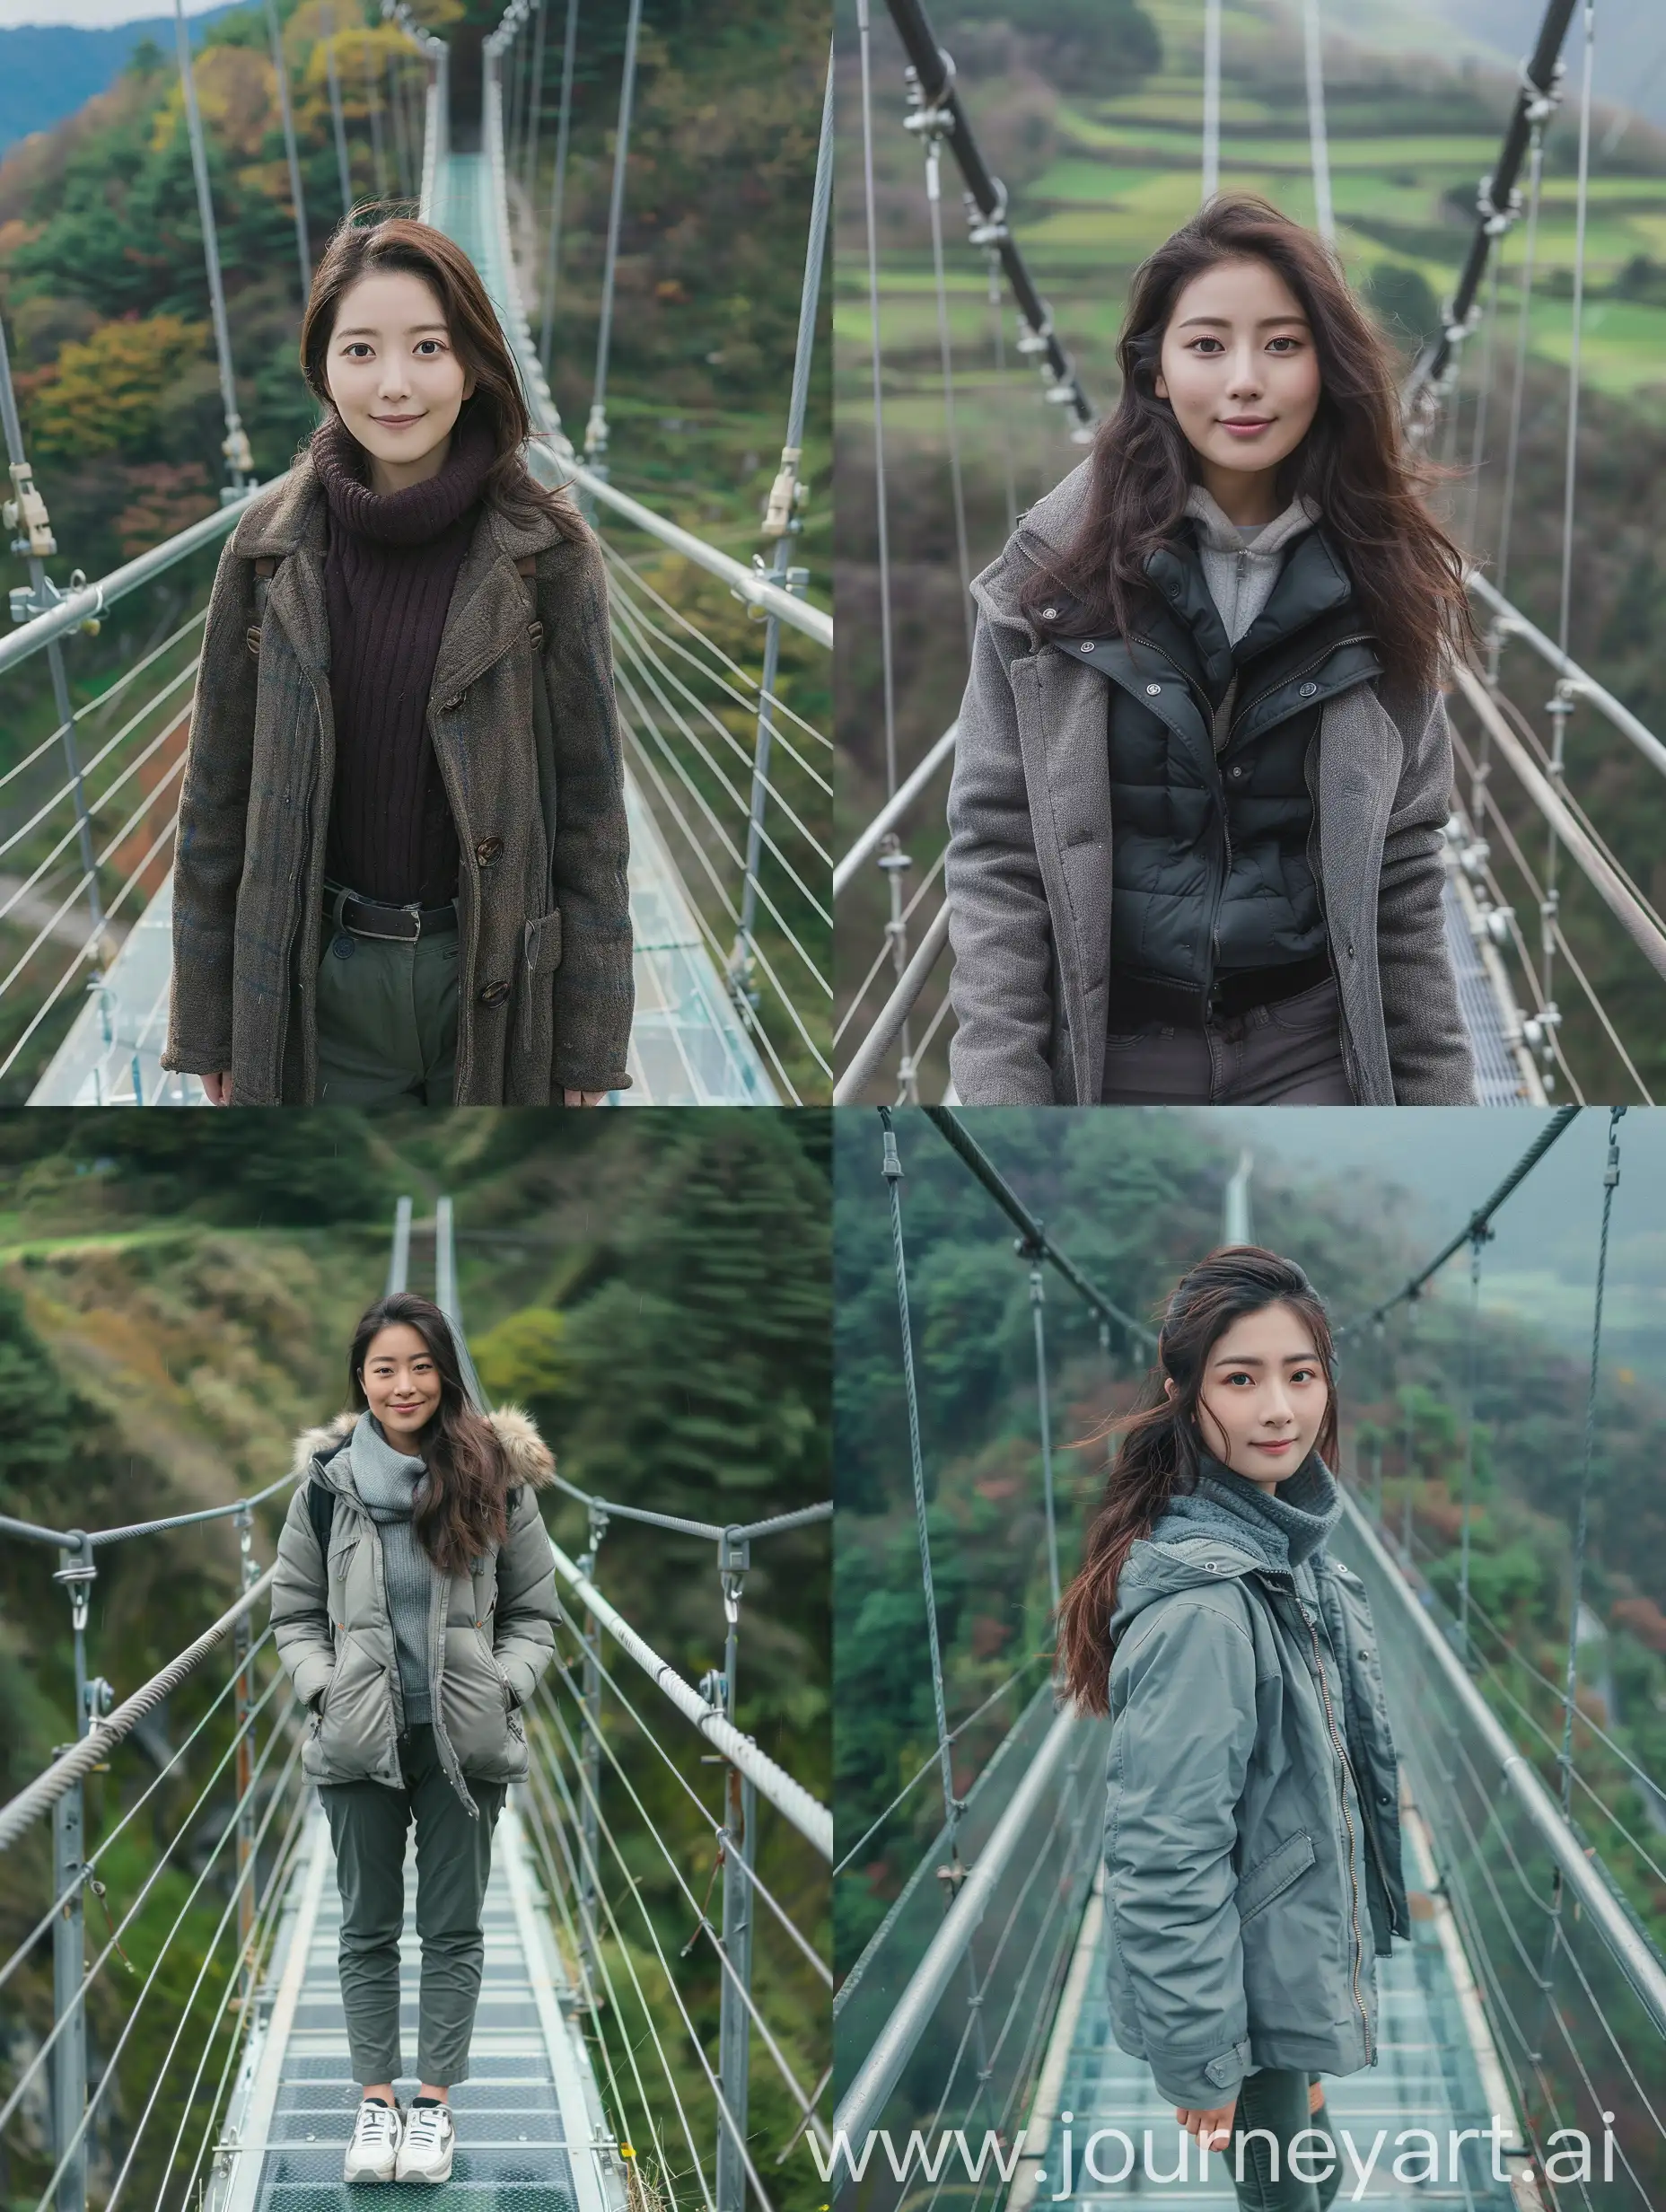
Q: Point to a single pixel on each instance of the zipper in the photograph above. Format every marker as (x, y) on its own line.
(1201, 700)
(1324, 1689)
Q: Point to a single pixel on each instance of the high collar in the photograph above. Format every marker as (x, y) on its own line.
(1217, 530)
(1284, 1524)
(420, 512)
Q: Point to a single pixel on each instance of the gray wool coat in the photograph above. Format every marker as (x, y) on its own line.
(491, 1632)
(1028, 871)
(545, 989)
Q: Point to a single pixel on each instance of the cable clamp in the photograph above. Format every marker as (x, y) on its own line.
(1540, 104)
(28, 510)
(787, 495)
(990, 229)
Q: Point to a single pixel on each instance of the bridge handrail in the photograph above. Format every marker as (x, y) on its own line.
(91, 600)
(38, 1796)
(860, 2107)
(1515, 624)
(888, 1026)
(894, 808)
(812, 1819)
(1632, 1952)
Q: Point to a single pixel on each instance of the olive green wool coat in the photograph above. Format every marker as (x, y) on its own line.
(491, 1633)
(545, 989)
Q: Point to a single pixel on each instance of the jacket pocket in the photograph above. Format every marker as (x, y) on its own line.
(1271, 1876)
(543, 943)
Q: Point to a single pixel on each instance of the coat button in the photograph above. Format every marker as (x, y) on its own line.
(1383, 1797)
(488, 849)
(1153, 690)
(1308, 690)
(494, 994)
(1049, 614)
(1234, 773)
(1087, 644)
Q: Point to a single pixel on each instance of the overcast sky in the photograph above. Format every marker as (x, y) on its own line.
(92, 14)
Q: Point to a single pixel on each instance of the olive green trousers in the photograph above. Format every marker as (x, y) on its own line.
(386, 1018)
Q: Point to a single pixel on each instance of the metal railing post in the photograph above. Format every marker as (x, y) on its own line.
(69, 2054)
(1038, 1301)
(590, 1795)
(739, 1831)
(243, 1700)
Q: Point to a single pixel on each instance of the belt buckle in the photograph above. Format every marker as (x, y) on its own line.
(414, 911)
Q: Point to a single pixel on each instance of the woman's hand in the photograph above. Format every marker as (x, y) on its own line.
(218, 1088)
(582, 1098)
(1206, 2125)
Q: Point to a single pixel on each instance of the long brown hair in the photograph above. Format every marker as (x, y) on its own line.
(1354, 462)
(401, 243)
(463, 1511)
(1159, 1455)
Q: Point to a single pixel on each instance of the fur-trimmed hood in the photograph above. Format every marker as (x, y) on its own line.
(531, 1458)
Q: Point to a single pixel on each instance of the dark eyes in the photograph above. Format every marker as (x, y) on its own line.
(353, 344)
(1299, 1374)
(1294, 343)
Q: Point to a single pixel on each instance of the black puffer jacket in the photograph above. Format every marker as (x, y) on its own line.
(1214, 862)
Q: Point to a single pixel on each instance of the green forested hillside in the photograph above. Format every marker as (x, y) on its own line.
(1135, 1198)
(175, 1303)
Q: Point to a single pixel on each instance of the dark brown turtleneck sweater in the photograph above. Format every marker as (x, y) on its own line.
(389, 573)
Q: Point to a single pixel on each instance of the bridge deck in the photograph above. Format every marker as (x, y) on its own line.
(531, 2134)
(1429, 2075)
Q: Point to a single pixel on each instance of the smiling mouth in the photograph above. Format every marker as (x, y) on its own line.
(395, 422)
(1281, 1444)
(1245, 422)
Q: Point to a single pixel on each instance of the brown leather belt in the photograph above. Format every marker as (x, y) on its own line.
(369, 918)
(1137, 999)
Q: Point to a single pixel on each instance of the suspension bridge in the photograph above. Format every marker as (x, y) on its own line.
(728, 782)
(1528, 830)
(592, 2088)
(1531, 1993)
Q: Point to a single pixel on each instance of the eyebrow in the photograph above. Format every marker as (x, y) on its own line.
(1223, 322)
(414, 331)
(1291, 1359)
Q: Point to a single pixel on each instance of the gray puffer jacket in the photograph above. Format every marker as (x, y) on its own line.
(491, 1633)
(1252, 1842)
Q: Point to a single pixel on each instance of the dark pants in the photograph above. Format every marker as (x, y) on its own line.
(386, 1018)
(367, 1824)
(1276, 2100)
(1289, 1054)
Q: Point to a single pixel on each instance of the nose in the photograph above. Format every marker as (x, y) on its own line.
(1244, 380)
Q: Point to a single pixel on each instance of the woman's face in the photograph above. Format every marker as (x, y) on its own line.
(1239, 370)
(395, 377)
(402, 1384)
(1264, 1395)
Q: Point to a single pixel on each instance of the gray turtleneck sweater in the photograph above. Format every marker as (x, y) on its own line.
(389, 1483)
(1284, 1523)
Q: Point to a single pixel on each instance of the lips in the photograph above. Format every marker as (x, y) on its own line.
(396, 422)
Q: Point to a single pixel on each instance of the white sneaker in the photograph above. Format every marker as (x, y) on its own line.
(425, 2151)
(374, 2149)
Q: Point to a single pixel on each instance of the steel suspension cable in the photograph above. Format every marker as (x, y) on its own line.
(1478, 1236)
(891, 1169)
(343, 176)
(1610, 1182)
(1571, 463)
(535, 104)
(235, 447)
(367, 66)
(557, 190)
(280, 70)
(930, 120)
(1211, 101)
(1318, 147)
(596, 428)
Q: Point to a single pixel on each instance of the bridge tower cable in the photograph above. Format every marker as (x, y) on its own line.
(240, 464)
(297, 198)
(535, 111)
(373, 100)
(596, 428)
(558, 187)
(1211, 178)
(343, 174)
(1319, 145)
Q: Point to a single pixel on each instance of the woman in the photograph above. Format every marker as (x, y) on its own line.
(1252, 1844)
(1204, 764)
(400, 869)
(413, 1609)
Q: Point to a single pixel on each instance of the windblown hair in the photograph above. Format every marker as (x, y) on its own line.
(400, 243)
(463, 1509)
(1354, 462)
(1159, 1455)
